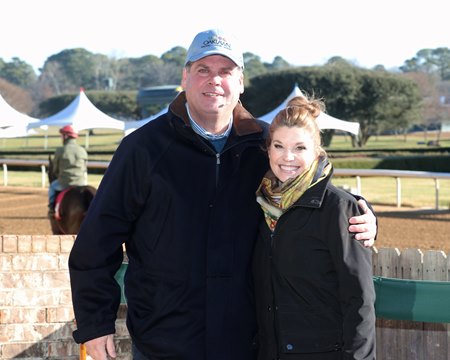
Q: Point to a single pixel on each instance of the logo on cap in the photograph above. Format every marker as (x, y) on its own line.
(217, 41)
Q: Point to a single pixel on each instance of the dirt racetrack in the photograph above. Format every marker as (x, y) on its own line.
(23, 211)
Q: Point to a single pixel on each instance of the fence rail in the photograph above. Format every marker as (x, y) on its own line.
(356, 173)
(43, 165)
(397, 174)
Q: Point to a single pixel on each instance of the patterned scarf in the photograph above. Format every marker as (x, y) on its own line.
(275, 197)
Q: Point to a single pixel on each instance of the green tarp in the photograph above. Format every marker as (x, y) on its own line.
(120, 274)
(413, 300)
(397, 299)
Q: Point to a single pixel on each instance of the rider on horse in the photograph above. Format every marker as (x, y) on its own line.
(69, 166)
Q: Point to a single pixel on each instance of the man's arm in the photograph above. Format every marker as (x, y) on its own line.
(56, 162)
(364, 226)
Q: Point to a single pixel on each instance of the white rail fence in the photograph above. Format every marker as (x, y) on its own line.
(43, 165)
(397, 174)
(357, 173)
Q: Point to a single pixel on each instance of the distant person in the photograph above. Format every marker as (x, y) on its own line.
(69, 165)
(179, 193)
(313, 282)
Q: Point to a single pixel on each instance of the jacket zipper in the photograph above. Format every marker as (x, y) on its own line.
(218, 163)
(274, 300)
(217, 168)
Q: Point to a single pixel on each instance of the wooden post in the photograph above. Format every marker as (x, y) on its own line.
(436, 340)
(410, 332)
(385, 263)
(399, 192)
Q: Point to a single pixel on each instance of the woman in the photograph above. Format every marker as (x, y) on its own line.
(313, 281)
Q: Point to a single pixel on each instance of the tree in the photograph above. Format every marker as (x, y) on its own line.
(77, 67)
(385, 102)
(146, 71)
(54, 78)
(278, 63)
(431, 105)
(379, 67)
(118, 104)
(18, 72)
(253, 66)
(17, 97)
(430, 61)
(176, 56)
(440, 57)
(374, 99)
(338, 60)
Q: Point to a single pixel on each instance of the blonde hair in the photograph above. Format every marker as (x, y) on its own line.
(300, 111)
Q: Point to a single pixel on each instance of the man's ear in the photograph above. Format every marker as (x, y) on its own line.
(241, 80)
(183, 78)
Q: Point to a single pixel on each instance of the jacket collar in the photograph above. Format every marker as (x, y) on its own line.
(70, 141)
(243, 122)
(313, 197)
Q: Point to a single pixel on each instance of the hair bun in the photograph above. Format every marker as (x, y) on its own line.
(314, 106)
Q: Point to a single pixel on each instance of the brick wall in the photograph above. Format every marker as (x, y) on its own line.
(36, 316)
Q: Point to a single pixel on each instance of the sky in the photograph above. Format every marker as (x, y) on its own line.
(365, 32)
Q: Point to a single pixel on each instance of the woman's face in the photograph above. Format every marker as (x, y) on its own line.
(291, 152)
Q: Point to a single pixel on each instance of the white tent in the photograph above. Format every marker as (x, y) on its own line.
(16, 131)
(324, 120)
(13, 123)
(130, 126)
(82, 115)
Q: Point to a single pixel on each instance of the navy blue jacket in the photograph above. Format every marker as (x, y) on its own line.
(189, 219)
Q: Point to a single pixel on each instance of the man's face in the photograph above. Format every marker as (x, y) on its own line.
(213, 86)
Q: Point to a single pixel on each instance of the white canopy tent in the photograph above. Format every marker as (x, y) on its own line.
(82, 115)
(13, 123)
(16, 131)
(324, 120)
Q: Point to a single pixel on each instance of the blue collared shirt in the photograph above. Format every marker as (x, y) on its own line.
(217, 140)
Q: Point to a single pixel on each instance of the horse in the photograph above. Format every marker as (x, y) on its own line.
(71, 206)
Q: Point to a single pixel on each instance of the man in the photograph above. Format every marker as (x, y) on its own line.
(69, 165)
(180, 193)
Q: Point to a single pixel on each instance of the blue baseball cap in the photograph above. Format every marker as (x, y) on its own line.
(215, 42)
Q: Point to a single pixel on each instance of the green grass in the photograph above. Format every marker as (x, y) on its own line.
(107, 140)
(101, 139)
(34, 179)
(415, 193)
(382, 190)
(410, 141)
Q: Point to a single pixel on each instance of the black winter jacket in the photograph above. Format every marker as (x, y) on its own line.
(314, 287)
(189, 219)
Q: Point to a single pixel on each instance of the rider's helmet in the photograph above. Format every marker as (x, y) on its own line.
(69, 131)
